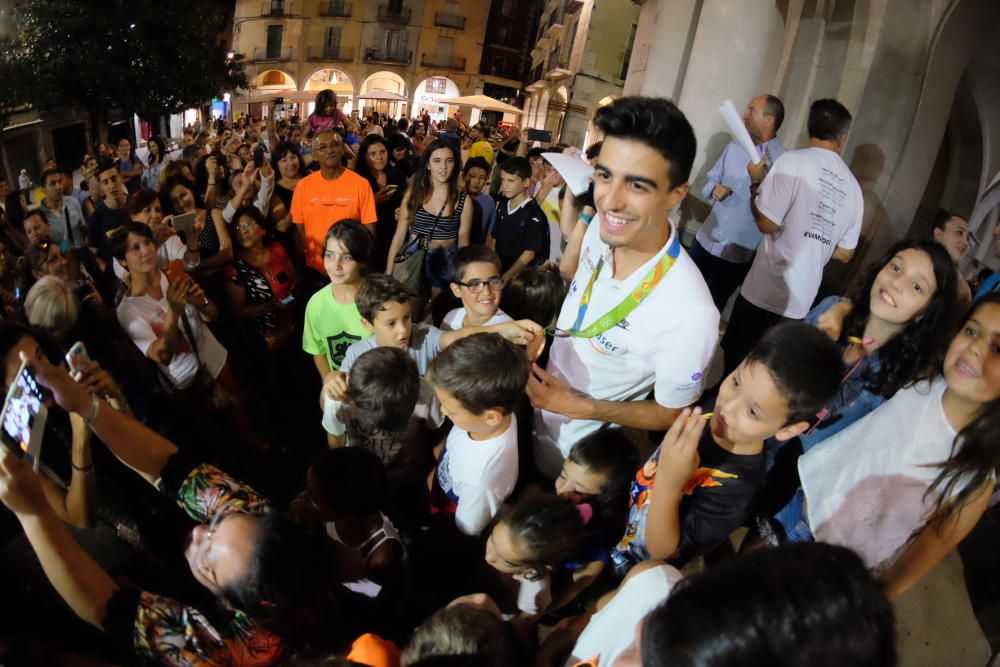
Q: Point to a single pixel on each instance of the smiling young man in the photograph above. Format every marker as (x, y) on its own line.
(638, 316)
(953, 232)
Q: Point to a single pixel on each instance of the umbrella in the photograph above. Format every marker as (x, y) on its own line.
(382, 95)
(483, 102)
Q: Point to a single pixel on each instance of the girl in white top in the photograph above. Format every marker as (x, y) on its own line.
(165, 321)
(144, 206)
(530, 542)
(907, 483)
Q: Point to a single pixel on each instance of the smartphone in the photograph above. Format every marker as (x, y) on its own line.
(24, 416)
(183, 222)
(77, 358)
(258, 157)
(175, 271)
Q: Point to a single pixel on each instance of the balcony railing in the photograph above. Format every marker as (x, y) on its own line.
(442, 61)
(277, 8)
(445, 20)
(263, 54)
(389, 15)
(388, 56)
(335, 8)
(334, 53)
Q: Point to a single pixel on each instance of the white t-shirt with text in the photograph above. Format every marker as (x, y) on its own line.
(815, 199)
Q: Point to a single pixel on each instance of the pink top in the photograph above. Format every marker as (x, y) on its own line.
(318, 123)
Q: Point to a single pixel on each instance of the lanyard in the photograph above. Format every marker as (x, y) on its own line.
(625, 308)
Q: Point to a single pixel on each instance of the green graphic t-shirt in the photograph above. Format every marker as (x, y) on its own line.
(331, 327)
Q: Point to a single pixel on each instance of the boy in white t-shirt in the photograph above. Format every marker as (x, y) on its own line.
(476, 280)
(479, 380)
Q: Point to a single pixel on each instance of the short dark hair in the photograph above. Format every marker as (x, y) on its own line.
(805, 365)
(384, 386)
(828, 120)
(481, 371)
(376, 291)
(35, 212)
(252, 212)
(355, 238)
(471, 254)
(190, 151)
(782, 608)
(518, 166)
(941, 218)
(119, 237)
(350, 479)
(106, 165)
(610, 452)
(476, 163)
(534, 294)
(655, 122)
(281, 150)
(774, 107)
(50, 172)
(535, 152)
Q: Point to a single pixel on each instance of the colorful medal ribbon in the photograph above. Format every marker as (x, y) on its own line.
(623, 309)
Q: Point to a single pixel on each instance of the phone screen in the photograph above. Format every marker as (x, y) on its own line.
(22, 414)
(183, 222)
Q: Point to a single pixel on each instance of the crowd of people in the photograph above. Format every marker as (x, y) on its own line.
(384, 392)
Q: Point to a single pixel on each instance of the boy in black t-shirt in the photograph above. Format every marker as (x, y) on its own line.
(521, 233)
(698, 486)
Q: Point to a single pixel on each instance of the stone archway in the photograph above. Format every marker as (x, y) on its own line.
(337, 80)
(388, 90)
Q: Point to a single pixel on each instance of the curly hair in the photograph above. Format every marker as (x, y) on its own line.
(916, 352)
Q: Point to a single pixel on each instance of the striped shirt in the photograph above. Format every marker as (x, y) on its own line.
(432, 228)
(730, 232)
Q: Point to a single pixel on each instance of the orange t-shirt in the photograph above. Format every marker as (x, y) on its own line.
(318, 203)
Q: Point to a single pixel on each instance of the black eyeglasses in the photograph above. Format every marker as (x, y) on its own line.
(476, 286)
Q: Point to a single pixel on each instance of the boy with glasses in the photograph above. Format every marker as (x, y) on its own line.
(476, 281)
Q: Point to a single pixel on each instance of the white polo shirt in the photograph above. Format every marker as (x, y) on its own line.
(664, 344)
(815, 199)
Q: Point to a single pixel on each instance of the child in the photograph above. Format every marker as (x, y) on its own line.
(535, 294)
(332, 321)
(475, 279)
(914, 476)
(478, 380)
(709, 479)
(897, 313)
(325, 115)
(540, 533)
(521, 233)
(346, 491)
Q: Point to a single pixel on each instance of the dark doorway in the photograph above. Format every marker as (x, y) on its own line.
(70, 144)
(22, 153)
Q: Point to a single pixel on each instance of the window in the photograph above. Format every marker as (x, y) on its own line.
(277, 6)
(274, 41)
(498, 66)
(436, 85)
(503, 35)
(508, 7)
(331, 42)
(627, 56)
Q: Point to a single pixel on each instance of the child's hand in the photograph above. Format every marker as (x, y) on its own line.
(832, 321)
(679, 449)
(335, 386)
(519, 332)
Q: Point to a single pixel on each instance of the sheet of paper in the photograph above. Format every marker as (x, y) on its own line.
(738, 130)
(575, 172)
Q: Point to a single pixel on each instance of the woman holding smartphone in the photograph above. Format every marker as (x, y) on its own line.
(388, 184)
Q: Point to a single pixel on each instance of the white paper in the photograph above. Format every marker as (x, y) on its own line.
(738, 130)
(575, 172)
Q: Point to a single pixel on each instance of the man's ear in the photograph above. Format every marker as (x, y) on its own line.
(792, 430)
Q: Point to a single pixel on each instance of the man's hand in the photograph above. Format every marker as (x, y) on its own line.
(68, 394)
(547, 392)
(679, 450)
(757, 170)
(720, 192)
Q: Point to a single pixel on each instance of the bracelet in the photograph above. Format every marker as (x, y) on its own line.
(86, 471)
(95, 406)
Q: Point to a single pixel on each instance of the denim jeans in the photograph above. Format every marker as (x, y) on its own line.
(792, 518)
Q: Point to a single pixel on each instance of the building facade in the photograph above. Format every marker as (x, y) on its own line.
(579, 61)
(510, 34)
(396, 56)
(921, 78)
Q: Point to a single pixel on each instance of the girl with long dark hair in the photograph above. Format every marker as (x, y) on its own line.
(388, 184)
(434, 217)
